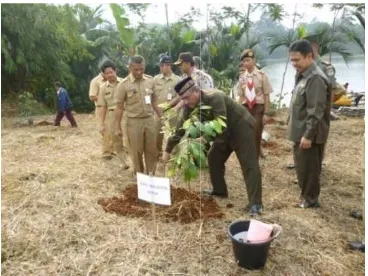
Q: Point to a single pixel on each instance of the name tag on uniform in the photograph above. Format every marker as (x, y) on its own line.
(147, 99)
(169, 96)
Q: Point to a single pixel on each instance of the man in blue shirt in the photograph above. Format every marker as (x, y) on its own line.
(64, 106)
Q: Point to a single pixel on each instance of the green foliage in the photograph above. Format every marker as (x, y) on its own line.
(28, 106)
(191, 156)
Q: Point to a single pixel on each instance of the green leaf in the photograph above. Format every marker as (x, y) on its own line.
(204, 107)
(193, 131)
(195, 150)
(186, 124)
(193, 172)
(171, 172)
(207, 129)
(221, 121)
(217, 127)
(213, 50)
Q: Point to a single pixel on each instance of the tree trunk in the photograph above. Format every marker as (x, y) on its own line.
(287, 62)
(168, 27)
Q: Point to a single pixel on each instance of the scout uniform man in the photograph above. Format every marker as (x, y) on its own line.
(137, 92)
(187, 66)
(254, 92)
(164, 89)
(239, 136)
(107, 104)
(94, 89)
(309, 121)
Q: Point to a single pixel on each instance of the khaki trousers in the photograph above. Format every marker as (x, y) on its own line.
(107, 144)
(117, 140)
(142, 141)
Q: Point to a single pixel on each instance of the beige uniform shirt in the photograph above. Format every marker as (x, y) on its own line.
(164, 87)
(137, 95)
(94, 86)
(202, 79)
(261, 82)
(106, 96)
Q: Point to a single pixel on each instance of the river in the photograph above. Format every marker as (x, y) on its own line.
(353, 73)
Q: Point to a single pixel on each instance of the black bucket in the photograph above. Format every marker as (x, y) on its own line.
(250, 255)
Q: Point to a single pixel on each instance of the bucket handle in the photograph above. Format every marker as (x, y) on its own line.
(278, 228)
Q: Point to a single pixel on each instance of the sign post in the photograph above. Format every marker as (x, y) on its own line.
(155, 190)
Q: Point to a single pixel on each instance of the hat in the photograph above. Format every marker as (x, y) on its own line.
(247, 53)
(165, 59)
(183, 86)
(184, 57)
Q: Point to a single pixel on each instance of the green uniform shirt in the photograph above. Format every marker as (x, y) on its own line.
(310, 106)
(328, 70)
(222, 105)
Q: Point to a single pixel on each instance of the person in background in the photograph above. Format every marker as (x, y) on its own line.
(64, 106)
(187, 66)
(164, 89)
(254, 91)
(107, 105)
(94, 90)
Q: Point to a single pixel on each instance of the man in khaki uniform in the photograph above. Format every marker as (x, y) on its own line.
(164, 89)
(94, 89)
(254, 90)
(137, 92)
(187, 66)
(309, 121)
(107, 105)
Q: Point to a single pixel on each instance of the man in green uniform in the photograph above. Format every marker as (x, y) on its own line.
(239, 136)
(309, 120)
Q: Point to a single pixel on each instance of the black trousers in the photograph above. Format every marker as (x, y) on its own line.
(242, 140)
(308, 164)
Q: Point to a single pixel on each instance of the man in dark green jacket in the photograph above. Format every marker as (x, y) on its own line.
(309, 120)
(238, 136)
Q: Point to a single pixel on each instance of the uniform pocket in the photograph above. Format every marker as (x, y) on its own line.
(132, 97)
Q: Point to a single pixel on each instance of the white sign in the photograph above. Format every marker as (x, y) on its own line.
(154, 189)
(147, 99)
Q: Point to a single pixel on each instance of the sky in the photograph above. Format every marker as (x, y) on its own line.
(156, 12)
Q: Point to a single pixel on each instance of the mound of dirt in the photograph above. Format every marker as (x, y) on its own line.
(186, 206)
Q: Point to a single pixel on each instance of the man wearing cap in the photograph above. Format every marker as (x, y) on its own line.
(138, 94)
(309, 121)
(187, 66)
(238, 136)
(107, 106)
(164, 89)
(254, 92)
(325, 66)
(94, 89)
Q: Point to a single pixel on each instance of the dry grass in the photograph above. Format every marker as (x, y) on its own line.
(52, 224)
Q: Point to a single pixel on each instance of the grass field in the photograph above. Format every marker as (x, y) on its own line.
(52, 179)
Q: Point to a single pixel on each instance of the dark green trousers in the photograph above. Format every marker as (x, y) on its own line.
(308, 163)
(241, 139)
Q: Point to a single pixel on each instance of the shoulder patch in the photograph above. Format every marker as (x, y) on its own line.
(324, 62)
(147, 76)
(330, 71)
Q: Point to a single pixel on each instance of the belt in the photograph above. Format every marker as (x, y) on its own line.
(111, 109)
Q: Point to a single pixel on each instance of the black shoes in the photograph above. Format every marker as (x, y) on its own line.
(357, 215)
(355, 245)
(255, 209)
(213, 193)
(305, 204)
